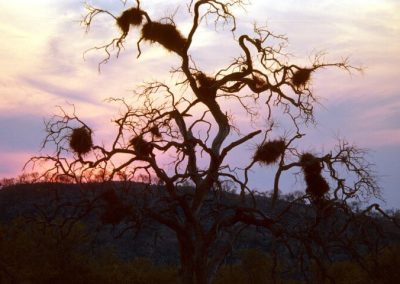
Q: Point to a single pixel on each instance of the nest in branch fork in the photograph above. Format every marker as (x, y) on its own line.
(206, 85)
(133, 16)
(259, 82)
(165, 34)
(310, 164)
(141, 146)
(155, 132)
(301, 77)
(81, 140)
(269, 152)
(317, 186)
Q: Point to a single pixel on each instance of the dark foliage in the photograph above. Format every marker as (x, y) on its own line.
(115, 214)
(110, 197)
(141, 146)
(165, 34)
(133, 16)
(114, 211)
(251, 261)
(301, 77)
(81, 140)
(269, 152)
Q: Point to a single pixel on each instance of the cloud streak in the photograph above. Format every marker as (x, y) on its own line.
(42, 66)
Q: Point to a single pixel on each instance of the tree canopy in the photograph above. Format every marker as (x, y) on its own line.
(181, 134)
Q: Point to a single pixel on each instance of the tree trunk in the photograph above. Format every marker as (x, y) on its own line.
(194, 265)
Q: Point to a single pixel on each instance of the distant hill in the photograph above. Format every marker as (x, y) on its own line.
(52, 201)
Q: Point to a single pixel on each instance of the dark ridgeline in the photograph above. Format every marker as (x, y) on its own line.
(106, 209)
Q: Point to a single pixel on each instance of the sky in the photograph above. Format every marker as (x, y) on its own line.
(42, 67)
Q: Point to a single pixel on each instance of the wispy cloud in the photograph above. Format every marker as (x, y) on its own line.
(42, 65)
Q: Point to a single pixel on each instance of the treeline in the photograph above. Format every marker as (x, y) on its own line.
(44, 238)
(34, 253)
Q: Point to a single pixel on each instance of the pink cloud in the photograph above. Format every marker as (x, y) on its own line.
(42, 66)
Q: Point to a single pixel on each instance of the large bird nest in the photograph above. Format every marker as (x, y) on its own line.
(81, 140)
(155, 131)
(206, 85)
(259, 82)
(310, 164)
(317, 186)
(133, 16)
(269, 152)
(141, 146)
(165, 34)
(301, 77)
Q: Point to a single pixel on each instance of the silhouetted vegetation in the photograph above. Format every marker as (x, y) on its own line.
(176, 139)
(165, 34)
(301, 77)
(55, 242)
(270, 151)
(133, 16)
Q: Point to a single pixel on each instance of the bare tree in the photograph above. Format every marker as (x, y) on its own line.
(191, 127)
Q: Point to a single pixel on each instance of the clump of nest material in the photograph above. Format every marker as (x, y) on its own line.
(155, 131)
(259, 81)
(310, 164)
(133, 16)
(141, 146)
(301, 77)
(317, 186)
(165, 34)
(269, 152)
(81, 140)
(206, 85)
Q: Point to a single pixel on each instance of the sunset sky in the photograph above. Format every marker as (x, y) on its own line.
(42, 66)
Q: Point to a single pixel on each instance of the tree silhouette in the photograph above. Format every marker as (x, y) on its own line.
(186, 123)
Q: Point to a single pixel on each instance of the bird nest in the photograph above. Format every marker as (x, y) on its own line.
(133, 16)
(259, 82)
(317, 186)
(206, 85)
(301, 77)
(310, 164)
(165, 34)
(81, 140)
(155, 131)
(141, 146)
(269, 152)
